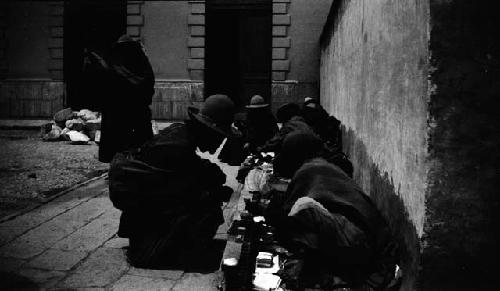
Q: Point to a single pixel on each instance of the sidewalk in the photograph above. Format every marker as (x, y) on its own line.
(71, 243)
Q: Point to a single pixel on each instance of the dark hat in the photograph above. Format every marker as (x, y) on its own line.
(287, 111)
(257, 101)
(125, 38)
(310, 101)
(217, 113)
(298, 146)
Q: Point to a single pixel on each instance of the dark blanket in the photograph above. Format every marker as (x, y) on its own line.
(260, 127)
(326, 126)
(326, 214)
(169, 196)
(128, 88)
(165, 177)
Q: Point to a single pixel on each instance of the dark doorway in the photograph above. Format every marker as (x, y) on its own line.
(93, 25)
(238, 49)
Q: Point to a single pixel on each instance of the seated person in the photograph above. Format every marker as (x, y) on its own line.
(171, 198)
(260, 123)
(254, 130)
(327, 222)
(289, 116)
(324, 125)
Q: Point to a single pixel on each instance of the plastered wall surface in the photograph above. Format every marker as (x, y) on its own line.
(165, 34)
(26, 35)
(374, 79)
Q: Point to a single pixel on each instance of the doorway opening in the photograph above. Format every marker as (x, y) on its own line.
(92, 25)
(238, 49)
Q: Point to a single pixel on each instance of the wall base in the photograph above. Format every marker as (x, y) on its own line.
(172, 98)
(31, 98)
(292, 91)
(381, 190)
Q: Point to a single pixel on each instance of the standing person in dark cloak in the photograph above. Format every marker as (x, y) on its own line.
(171, 198)
(129, 86)
(260, 123)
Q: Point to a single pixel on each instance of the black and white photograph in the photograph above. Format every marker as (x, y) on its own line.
(249, 145)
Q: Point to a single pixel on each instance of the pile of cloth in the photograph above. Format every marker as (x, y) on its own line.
(79, 127)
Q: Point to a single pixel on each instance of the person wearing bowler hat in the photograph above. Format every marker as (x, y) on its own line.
(260, 123)
(170, 197)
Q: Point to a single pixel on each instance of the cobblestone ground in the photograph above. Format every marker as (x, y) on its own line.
(32, 170)
(70, 243)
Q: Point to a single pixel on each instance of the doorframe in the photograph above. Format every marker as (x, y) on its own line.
(222, 5)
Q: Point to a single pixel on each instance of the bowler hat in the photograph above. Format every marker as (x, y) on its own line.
(217, 113)
(287, 111)
(257, 101)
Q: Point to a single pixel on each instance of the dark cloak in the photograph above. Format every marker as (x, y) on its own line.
(168, 195)
(274, 144)
(260, 127)
(326, 126)
(369, 257)
(129, 87)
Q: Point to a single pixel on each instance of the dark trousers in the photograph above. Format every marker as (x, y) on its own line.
(176, 243)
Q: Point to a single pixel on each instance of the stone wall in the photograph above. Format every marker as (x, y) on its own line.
(31, 59)
(173, 33)
(297, 26)
(462, 205)
(415, 84)
(374, 57)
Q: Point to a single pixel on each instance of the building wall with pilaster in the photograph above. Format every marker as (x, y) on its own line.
(297, 26)
(173, 33)
(31, 43)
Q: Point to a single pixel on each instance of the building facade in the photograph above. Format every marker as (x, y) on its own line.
(196, 48)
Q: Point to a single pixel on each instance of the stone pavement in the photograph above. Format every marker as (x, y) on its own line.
(70, 243)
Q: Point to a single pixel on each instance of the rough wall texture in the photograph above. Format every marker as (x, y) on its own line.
(374, 79)
(307, 21)
(461, 232)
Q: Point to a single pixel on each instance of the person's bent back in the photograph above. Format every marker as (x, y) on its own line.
(169, 196)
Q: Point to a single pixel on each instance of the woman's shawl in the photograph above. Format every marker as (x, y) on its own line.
(344, 216)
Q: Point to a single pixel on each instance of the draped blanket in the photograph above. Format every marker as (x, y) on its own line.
(338, 225)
